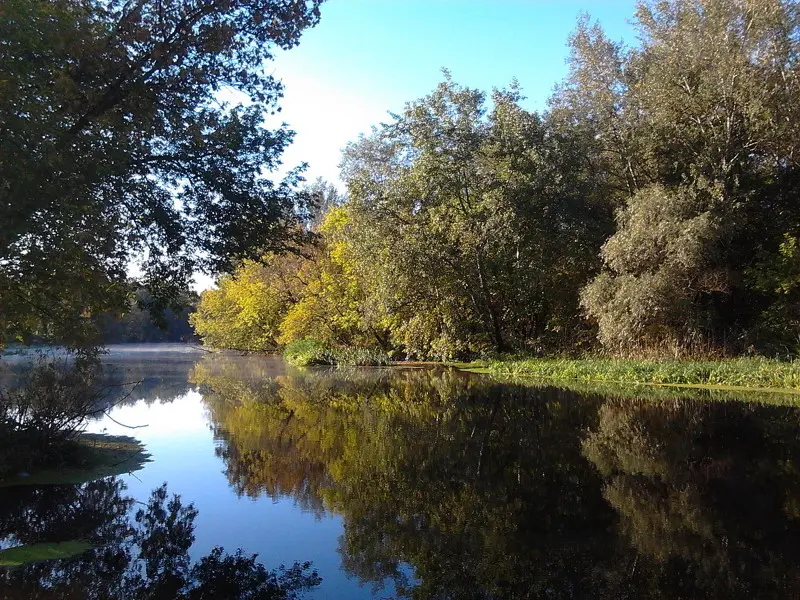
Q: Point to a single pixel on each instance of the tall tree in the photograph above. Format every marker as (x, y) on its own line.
(711, 99)
(476, 227)
(115, 144)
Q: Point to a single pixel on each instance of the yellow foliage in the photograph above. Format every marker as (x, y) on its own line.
(246, 310)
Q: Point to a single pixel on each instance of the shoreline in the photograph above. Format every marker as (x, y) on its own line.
(734, 374)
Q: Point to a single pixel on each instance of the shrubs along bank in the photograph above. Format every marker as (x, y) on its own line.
(739, 372)
(306, 352)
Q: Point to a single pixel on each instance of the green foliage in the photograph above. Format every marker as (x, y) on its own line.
(284, 298)
(349, 356)
(739, 372)
(465, 229)
(246, 310)
(699, 132)
(115, 148)
(143, 322)
(46, 410)
(651, 208)
(306, 352)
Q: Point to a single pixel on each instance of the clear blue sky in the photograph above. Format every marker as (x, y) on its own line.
(368, 57)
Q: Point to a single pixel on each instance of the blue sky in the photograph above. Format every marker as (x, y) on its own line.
(368, 57)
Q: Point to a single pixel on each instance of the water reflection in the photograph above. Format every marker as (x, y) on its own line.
(438, 485)
(451, 486)
(137, 554)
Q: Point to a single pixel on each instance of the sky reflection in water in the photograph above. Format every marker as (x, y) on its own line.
(436, 484)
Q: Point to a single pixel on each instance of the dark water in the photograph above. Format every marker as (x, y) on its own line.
(422, 484)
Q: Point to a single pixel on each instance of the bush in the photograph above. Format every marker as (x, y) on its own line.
(350, 356)
(40, 417)
(306, 352)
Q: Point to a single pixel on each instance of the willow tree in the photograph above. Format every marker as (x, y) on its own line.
(702, 123)
(115, 144)
(475, 225)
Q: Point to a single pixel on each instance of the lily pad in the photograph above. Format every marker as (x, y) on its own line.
(21, 555)
(95, 456)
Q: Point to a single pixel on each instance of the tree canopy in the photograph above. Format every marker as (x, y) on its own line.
(651, 209)
(116, 144)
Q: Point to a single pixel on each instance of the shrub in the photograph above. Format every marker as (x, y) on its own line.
(42, 415)
(305, 352)
(351, 356)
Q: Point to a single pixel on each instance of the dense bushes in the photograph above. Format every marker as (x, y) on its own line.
(306, 352)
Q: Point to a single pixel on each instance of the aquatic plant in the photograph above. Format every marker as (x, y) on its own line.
(738, 372)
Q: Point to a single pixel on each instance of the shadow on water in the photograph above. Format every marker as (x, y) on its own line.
(139, 550)
(454, 486)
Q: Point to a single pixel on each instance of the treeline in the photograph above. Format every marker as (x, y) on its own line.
(145, 323)
(652, 209)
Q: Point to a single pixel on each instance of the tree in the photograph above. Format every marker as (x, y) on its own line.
(323, 196)
(474, 228)
(246, 310)
(115, 145)
(703, 117)
(333, 306)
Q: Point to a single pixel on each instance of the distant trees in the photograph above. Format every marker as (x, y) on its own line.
(652, 208)
(138, 324)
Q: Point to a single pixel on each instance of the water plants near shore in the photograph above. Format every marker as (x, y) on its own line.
(757, 373)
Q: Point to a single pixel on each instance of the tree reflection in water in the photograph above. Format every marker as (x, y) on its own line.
(138, 554)
(490, 490)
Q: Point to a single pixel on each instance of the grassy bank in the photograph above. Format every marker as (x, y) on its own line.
(88, 457)
(754, 373)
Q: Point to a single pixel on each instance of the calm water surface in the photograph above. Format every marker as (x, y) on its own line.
(418, 483)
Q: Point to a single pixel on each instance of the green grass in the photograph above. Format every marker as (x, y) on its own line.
(21, 555)
(94, 456)
(751, 373)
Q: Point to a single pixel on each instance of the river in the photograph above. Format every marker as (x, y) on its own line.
(423, 483)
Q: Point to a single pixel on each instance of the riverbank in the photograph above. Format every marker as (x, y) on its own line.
(86, 458)
(744, 373)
